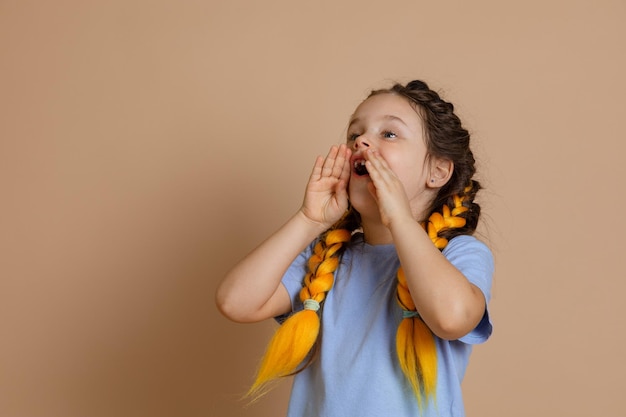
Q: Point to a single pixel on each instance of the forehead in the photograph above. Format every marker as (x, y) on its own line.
(387, 106)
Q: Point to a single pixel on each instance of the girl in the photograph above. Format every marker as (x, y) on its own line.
(378, 283)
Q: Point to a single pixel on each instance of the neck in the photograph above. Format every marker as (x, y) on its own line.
(376, 233)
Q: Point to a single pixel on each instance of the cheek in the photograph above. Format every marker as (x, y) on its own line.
(411, 173)
(404, 167)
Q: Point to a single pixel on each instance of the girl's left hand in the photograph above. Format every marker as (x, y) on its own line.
(387, 189)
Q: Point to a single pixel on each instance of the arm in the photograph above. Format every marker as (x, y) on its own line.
(448, 303)
(252, 290)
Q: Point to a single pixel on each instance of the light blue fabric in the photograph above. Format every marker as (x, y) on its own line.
(356, 372)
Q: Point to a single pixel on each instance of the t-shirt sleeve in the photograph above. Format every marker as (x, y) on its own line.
(292, 281)
(474, 259)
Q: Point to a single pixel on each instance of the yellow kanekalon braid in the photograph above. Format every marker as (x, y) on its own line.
(447, 220)
(295, 338)
(415, 343)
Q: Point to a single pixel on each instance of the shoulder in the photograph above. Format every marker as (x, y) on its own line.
(466, 246)
(473, 258)
(475, 261)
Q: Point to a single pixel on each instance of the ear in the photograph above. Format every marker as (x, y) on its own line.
(440, 172)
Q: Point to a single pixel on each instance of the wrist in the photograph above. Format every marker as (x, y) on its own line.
(404, 224)
(315, 227)
(400, 221)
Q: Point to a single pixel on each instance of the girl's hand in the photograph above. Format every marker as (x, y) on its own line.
(326, 197)
(387, 189)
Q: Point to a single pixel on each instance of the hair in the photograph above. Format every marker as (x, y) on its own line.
(453, 212)
(445, 138)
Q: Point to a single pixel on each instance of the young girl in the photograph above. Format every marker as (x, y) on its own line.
(378, 283)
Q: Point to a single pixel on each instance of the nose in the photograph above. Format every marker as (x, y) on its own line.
(361, 142)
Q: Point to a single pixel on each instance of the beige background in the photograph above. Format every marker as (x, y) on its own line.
(145, 146)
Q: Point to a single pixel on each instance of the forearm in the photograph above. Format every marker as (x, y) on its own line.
(448, 303)
(251, 290)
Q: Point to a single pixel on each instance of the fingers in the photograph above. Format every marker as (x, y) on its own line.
(378, 171)
(329, 162)
(347, 169)
(326, 196)
(342, 167)
(317, 169)
(336, 161)
(335, 165)
(384, 180)
(377, 167)
(387, 189)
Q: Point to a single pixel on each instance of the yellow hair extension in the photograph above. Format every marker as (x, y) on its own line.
(293, 341)
(415, 343)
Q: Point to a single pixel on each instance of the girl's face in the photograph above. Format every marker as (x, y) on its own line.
(389, 124)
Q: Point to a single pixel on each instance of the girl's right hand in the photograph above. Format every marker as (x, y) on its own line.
(252, 290)
(326, 197)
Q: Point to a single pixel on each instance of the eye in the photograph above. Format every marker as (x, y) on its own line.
(352, 137)
(389, 135)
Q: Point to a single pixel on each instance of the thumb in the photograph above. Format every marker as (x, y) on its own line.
(341, 191)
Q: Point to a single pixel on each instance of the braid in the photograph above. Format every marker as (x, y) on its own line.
(445, 138)
(415, 343)
(322, 264)
(295, 338)
(461, 220)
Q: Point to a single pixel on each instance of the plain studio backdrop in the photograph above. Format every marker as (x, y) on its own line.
(145, 146)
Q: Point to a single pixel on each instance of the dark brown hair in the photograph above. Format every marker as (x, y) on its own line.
(445, 138)
(415, 343)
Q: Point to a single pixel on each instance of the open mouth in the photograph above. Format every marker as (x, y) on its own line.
(359, 167)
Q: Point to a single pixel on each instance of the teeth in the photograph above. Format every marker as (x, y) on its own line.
(359, 167)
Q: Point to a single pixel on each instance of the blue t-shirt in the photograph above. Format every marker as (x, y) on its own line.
(356, 372)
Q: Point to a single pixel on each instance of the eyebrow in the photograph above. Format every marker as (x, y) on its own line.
(385, 117)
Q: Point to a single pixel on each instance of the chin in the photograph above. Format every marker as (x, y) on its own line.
(362, 201)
